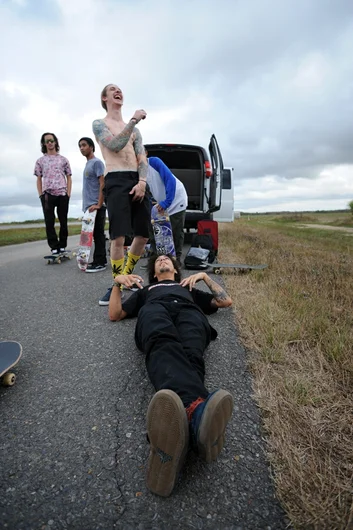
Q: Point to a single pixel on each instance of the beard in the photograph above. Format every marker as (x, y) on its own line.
(165, 268)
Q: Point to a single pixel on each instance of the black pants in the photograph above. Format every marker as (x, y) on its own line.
(100, 254)
(174, 336)
(61, 203)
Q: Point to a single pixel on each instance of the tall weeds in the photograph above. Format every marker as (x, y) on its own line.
(296, 320)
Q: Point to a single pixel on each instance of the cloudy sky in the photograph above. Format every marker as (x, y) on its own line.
(273, 79)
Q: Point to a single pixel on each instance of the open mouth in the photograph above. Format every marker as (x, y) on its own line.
(117, 96)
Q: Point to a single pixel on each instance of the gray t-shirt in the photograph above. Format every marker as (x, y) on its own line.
(90, 188)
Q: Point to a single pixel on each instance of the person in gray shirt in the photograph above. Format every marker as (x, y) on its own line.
(93, 199)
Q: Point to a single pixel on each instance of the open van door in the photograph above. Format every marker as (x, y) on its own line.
(226, 212)
(215, 190)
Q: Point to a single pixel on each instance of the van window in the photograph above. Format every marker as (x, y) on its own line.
(227, 179)
(178, 159)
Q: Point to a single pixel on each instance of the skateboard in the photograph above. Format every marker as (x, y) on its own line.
(10, 353)
(86, 239)
(162, 231)
(217, 267)
(58, 258)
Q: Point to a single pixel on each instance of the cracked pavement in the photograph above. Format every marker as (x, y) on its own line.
(73, 437)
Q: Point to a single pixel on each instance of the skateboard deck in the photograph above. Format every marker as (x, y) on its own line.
(10, 353)
(57, 258)
(86, 239)
(217, 267)
(162, 231)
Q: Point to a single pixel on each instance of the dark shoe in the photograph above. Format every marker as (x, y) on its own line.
(208, 421)
(94, 267)
(105, 299)
(168, 433)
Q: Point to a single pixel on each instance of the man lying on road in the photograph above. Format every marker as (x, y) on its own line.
(173, 333)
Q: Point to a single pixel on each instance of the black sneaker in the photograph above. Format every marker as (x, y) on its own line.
(94, 267)
(105, 299)
(55, 252)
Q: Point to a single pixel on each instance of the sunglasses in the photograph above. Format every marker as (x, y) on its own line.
(49, 142)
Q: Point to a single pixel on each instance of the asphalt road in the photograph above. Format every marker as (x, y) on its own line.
(72, 436)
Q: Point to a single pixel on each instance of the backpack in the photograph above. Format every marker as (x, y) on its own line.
(205, 241)
(197, 258)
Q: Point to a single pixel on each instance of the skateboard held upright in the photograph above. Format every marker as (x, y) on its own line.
(10, 353)
(162, 230)
(86, 239)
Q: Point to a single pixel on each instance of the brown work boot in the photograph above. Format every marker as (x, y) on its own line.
(168, 433)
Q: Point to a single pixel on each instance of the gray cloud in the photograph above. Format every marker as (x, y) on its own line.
(273, 80)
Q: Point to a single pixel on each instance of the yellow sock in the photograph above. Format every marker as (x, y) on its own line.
(117, 266)
(130, 263)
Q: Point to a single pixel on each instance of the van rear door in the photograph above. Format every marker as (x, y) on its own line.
(215, 189)
(226, 212)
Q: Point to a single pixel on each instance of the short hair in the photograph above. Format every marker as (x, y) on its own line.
(103, 95)
(151, 263)
(44, 146)
(89, 141)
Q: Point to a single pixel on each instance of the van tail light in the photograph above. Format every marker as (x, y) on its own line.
(208, 169)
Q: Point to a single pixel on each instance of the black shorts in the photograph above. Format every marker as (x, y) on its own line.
(125, 216)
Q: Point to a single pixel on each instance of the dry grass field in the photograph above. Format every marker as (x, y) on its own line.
(296, 321)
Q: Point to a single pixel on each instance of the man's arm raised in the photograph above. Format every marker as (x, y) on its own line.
(118, 142)
(106, 138)
(220, 297)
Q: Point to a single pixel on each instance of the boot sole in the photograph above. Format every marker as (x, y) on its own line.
(168, 432)
(213, 424)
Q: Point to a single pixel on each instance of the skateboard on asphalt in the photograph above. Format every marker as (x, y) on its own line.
(58, 258)
(162, 231)
(217, 267)
(86, 239)
(10, 353)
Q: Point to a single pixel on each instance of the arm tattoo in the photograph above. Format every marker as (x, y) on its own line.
(142, 166)
(217, 291)
(106, 138)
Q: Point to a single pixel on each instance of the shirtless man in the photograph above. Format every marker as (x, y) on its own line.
(125, 181)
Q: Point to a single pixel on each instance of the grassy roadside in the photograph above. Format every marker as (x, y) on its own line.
(296, 320)
(14, 236)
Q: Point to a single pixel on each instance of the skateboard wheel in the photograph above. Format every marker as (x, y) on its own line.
(217, 271)
(48, 261)
(9, 379)
(59, 260)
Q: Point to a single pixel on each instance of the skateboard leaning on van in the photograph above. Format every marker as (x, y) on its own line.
(10, 353)
(58, 258)
(162, 231)
(86, 240)
(217, 267)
